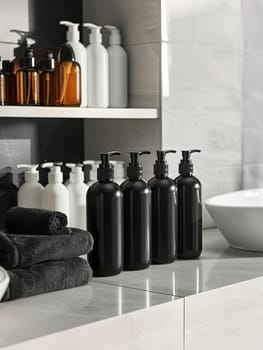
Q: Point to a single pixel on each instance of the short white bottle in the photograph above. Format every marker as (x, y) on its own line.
(77, 196)
(30, 193)
(118, 70)
(97, 69)
(80, 55)
(55, 195)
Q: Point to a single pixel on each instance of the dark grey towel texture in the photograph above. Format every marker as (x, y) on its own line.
(47, 277)
(27, 250)
(28, 221)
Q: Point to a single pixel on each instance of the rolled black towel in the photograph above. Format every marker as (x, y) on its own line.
(27, 250)
(47, 277)
(35, 221)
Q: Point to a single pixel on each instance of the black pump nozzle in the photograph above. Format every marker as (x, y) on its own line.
(186, 164)
(106, 171)
(29, 60)
(48, 62)
(134, 169)
(160, 167)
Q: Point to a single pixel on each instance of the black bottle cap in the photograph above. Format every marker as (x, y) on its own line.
(186, 165)
(105, 171)
(7, 66)
(135, 170)
(29, 60)
(160, 167)
(48, 62)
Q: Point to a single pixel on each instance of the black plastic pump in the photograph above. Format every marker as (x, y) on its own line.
(186, 165)
(105, 171)
(160, 167)
(28, 61)
(48, 62)
(135, 170)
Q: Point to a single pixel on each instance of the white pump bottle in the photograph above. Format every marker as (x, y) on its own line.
(80, 54)
(97, 69)
(30, 193)
(118, 70)
(77, 196)
(55, 195)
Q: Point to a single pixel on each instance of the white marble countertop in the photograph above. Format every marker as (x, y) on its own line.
(41, 315)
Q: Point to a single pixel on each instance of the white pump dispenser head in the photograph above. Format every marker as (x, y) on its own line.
(31, 173)
(55, 175)
(115, 35)
(76, 175)
(73, 31)
(95, 36)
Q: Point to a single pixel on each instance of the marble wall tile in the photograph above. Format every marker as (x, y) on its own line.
(197, 78)
(226, 318)
(159, 327)
(253, 175)
(15, 152)
(139, 20)
(215, 23)
(253, 24)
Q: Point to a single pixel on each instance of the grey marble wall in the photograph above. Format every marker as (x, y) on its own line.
(252, 93)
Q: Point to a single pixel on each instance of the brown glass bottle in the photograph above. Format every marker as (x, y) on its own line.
(48, 81)
(7, 84)
(27, 81)
(69, 78)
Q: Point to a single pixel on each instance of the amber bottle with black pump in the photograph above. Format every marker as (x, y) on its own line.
(189, 204)
(7, 84)
(137, 216)
(48, 80)
(105, 220)
(27, 80)
(164, 222)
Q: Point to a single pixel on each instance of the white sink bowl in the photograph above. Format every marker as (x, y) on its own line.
(4, 280)
(239, 217)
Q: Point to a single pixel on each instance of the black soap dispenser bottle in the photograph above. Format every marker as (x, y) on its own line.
(137, 214)
(164, 222)
(189, 238)
(105, 220)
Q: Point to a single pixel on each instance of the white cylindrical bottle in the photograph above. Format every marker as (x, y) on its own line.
(55, 195)
(77, 196)
(118, 70)
(97, 69)
(80, 55)
(30, 193)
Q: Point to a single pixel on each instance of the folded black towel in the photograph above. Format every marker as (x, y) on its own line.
(27, 250)
(35, 221)
(47, 277)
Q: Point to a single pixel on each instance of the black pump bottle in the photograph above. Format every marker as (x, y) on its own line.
(189, 239)
(164, 223)
(105, 220)
(137, 214)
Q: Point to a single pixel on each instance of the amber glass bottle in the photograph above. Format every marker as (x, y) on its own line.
(69, 78)
(48, 80)
(27, 80)
(7, 84)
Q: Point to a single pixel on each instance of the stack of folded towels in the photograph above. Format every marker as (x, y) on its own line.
(41, 254)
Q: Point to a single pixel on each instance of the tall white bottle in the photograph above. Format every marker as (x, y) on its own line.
(97, 69)
(77, 196)
(80, 54)
(118, 70)
(30, 193)
(55, 195)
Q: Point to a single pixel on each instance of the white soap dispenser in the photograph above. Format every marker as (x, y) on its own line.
(55, 195)
(118, 70)
(77, 196)
(80, 55)
(97, 69)
(30, 193)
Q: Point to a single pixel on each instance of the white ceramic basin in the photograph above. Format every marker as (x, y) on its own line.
(239, 217)
(4, 280)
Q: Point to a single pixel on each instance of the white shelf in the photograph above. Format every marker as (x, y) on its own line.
(77, 112)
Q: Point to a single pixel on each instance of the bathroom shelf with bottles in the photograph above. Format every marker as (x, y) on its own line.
(77, 112)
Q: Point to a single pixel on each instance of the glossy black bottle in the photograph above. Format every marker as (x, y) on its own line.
(164, 223)
(189, 204)
(137, 216)
(105, 221)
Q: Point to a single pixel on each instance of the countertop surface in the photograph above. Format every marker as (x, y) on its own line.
(108, 297)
